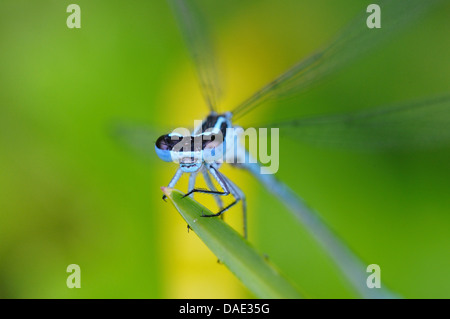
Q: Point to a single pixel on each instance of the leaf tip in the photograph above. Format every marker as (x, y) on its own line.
(167, 191)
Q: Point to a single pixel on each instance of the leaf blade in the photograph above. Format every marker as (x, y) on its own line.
(260, 277)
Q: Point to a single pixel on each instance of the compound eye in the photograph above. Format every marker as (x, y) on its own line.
(164, 143)
(163, 147)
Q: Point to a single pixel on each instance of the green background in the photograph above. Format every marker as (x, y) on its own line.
(70, 193)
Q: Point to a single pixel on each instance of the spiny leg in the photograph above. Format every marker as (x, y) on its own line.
(228, 187)
(244, 205)
(205, 191)
(223, 210)
(191, 185)
(218, 177)
(222, 183)
(174, 181)
(211, 186)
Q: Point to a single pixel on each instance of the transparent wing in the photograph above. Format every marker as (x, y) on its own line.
(139, 138)
(351, 43)
(414, 125)
(195, 33)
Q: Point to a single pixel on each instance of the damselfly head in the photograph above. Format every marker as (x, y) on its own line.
(163, 147)
(184, 150)
(191, 150)
(190, 164)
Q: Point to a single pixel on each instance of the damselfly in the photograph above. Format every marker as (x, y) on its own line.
(410, 124)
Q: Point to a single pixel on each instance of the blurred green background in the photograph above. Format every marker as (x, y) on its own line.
(70, 193)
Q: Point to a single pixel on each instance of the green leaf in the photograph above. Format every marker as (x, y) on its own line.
(253, 270)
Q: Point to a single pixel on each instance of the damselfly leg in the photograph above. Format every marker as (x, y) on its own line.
(211, 186)
(191, 186)
(244, 205)
(174, 181)
(227, 186)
